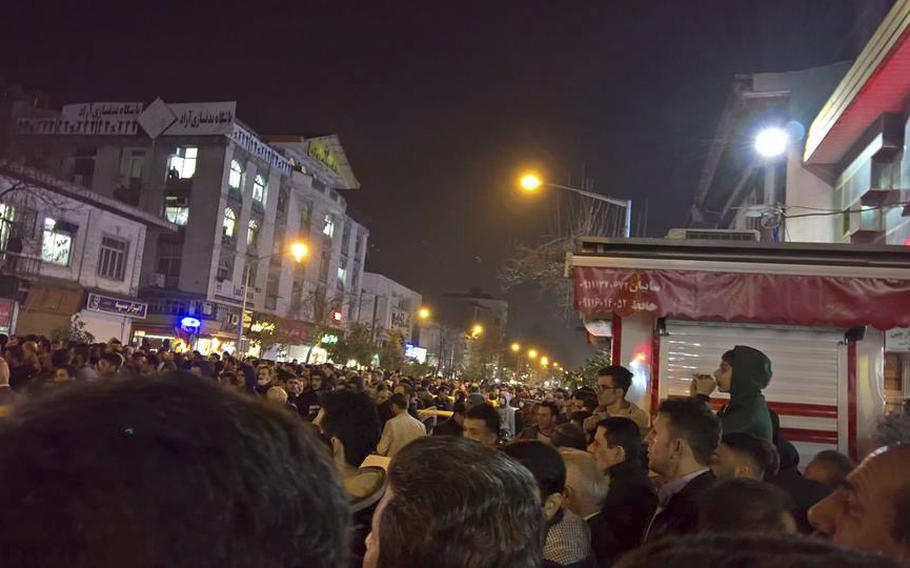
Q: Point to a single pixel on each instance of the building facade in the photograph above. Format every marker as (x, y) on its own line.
(68, 252)
(385, 304)
(844, 176)
(239, 201)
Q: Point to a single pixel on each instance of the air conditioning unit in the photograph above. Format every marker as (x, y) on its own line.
(714, 235)
(158, 280)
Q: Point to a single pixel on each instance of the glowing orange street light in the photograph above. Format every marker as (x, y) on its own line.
(530, 182)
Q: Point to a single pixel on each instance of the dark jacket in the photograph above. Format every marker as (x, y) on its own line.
(747, 410)
(603, 541)
(804, 492)
(629, 505)
(680, 515)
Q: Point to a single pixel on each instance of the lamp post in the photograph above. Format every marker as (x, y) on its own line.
(299, 250)
(531, 182)
(516, 349)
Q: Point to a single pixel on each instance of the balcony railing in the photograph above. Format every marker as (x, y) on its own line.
(15, 263)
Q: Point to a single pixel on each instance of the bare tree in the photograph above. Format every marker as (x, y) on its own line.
(542, 263)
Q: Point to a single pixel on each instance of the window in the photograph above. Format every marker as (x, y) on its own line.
(182, 165)
(342, 275)
(225, 268)
(259, 188)
(112, 260)
(306, 217)
(252, 234)
(131, 165)
(169, 259)
(329, 228)
(346, 236)
(176, 209)
(282, 200)
(7, 217)
(230, 222)
(56, 245)
(235, 178)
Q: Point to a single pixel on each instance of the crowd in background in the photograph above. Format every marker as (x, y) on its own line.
(117, 455)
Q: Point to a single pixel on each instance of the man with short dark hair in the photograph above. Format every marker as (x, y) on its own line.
(494, 524)
(744, 505)
(613, 384)
(680, 445)
(740, 454)
(871, 509)
(547, 413)
(568, 541)
(830, 468)
(772, 550)
(481, 424)
(174, 472)
(109, 365)
(454, 426)
(401, 429)
(631, 501)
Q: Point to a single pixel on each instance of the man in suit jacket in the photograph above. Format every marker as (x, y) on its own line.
(680, 444)
(631, 500)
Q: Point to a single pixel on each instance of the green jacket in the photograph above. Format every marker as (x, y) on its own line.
(747, 410)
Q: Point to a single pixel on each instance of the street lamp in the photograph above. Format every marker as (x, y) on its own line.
(516, 347)
(299, 250)
(476, 331)
(544, 361)
(423, 313)
(772, 142)
(532, 354)
(530, 182)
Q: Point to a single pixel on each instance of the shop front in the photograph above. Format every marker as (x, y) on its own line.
(185, 332)
(820, 312)
(48, 307)
(109, 317)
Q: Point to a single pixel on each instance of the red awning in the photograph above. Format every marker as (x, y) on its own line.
(743, 297)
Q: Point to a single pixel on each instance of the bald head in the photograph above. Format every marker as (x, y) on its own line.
(871, 509)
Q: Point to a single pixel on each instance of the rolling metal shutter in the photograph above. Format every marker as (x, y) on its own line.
(809, 366)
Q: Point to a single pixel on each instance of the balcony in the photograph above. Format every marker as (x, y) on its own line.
(19, 264)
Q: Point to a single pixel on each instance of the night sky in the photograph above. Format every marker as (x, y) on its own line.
(438, 103)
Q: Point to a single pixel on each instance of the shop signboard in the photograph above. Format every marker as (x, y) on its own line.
(111, 305)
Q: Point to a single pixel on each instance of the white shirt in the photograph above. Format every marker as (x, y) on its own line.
(398, 432)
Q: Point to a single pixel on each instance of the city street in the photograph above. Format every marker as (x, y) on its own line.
(498, 284)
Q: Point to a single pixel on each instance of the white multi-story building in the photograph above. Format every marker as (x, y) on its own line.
(239, 201)
(385, 304)
(69, 252)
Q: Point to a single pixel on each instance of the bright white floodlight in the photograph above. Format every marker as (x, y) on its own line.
(772, 142)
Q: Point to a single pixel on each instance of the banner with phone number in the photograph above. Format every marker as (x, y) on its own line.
(732, 296)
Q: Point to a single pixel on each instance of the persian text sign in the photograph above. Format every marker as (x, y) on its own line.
(734, 296)
(252, 144)
(107, 304)
(202, 118)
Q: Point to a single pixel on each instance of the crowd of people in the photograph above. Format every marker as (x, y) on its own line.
(117, 455)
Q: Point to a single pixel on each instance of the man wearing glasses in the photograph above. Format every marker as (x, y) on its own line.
(613, 383)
